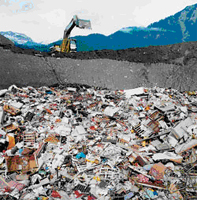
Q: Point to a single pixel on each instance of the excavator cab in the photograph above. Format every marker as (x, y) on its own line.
(73, 45)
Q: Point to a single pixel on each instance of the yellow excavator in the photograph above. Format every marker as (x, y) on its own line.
(68, 44)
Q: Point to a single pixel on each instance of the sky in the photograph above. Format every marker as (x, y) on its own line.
(45, 20)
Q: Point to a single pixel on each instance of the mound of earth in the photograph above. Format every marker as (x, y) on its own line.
(151, 54)
(4, 42)
(164, 66)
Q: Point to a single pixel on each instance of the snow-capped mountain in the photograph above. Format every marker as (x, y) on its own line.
(23, 41)
(17, 38)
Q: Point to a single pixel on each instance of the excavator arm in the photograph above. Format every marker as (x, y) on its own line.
(80, 23)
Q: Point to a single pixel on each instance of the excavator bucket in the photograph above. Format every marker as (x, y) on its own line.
(82, 23)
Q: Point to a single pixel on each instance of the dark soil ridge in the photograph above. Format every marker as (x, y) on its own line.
(151, 54)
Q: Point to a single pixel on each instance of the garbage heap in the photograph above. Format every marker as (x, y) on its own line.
(87, 143)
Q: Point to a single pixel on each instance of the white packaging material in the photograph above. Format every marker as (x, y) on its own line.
(186, 146)
(135, 91)
(57, 161)
(166, 155)
(63, 130)
(70, 89)
(172, 141)
(42, 182)
(2, 92)
(65, 120)
(110, 111)
(80, 130)
(16, 104)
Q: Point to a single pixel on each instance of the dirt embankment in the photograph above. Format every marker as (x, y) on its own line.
(166, 66)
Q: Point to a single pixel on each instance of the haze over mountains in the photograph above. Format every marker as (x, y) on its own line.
(181, 27)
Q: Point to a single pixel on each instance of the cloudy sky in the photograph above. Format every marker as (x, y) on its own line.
(45, 20)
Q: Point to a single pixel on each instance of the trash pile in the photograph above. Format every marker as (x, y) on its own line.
(87, 143)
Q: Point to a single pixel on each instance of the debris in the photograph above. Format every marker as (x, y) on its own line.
(86, 143)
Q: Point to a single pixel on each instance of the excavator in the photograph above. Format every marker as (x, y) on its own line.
(68, 44)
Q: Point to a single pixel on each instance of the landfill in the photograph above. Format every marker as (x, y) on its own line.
(79, 142)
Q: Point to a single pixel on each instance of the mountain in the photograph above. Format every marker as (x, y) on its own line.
(181, 27)
(16, 38)
(136, 37)
(184, 23)
(23, 41)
